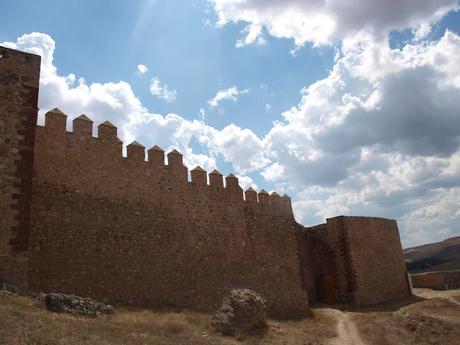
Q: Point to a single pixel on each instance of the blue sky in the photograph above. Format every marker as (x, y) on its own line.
(179, 43)
(350, 109)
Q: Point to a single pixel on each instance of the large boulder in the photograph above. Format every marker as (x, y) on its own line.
(242, 311)
(59, 302)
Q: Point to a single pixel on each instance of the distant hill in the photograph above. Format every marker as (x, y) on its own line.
(438, 256)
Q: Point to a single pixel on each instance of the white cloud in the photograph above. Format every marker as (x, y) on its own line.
(142, 69)
(162, 91)
(202, 114)
(230, 94)
(322, 21)
(250, 39)
(379, 136)
(273, 172)
(191, 160)
(245, 182)
(242, 147)
(368, 100)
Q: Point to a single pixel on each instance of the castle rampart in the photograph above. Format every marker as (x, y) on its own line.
(103, 153)
(142, 233)
(79, 217)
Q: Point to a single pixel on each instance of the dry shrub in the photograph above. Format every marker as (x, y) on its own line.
(165, 322)
(176, 324)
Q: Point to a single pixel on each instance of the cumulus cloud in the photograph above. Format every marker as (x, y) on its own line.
(369, 100)
(242, 147)
(142, 69)
(245, 182)
(322, 22)
(230, 94)
(380, 135)
(162, 91)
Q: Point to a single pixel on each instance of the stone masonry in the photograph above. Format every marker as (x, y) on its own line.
(78, 217)
(356, 260)
(437, 280)
(19, 75)
(136, 231)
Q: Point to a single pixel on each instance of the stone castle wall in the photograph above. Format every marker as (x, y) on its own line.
(78, 217)
(133, 231)
(437, 280)
(19, 76)
(377, 260)
(367, 265)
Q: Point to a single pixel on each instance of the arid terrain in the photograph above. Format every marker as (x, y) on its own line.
(438, 256)
(430, 317)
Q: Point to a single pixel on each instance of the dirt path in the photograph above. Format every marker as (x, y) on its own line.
(347, 333)
(453, 300)
(448, 295)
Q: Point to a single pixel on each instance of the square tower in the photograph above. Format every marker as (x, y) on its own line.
(19, 80)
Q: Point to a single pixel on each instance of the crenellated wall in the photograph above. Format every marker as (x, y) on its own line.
(135, 230)
(100, 154)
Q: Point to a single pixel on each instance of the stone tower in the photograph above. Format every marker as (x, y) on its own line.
(19, 79)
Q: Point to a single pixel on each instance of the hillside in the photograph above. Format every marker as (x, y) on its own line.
(438, 256)
(429, 318)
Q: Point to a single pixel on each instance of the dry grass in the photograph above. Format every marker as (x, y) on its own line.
(435, 319)
(24, 321)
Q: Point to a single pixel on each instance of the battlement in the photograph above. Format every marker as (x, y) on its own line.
(169, 168)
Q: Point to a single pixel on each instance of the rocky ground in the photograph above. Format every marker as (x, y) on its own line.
(430, 317)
